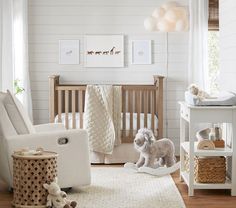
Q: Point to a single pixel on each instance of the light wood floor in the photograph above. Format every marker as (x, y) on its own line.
(202, 198)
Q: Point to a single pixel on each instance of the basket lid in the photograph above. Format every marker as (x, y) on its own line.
(42, 155)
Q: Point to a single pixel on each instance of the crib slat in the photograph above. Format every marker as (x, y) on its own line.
(142, 101)
(131, 113)
(124, 113)
(137, 94)
(59, 105)
(66, 108)
(152, 111)
(154, 101)
(158, 100)
(81, 108)
(149, 101)
(145, 107)
(73, 110)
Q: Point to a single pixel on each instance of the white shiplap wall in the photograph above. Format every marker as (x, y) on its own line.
(228, 44)
(53, 20)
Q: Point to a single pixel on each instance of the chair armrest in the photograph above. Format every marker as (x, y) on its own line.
(50, 127)
(75, 149)
(47, 140)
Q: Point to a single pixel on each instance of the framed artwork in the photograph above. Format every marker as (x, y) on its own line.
(104, 51)
(141, 51)
(69, 52)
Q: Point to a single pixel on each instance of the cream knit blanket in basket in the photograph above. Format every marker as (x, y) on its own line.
(102, 117)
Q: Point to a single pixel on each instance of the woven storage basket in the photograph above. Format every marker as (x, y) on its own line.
(29, 175)
(208, 169)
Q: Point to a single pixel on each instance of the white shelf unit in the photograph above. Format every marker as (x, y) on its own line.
(216, 152)
(226, 185)
(194, 115)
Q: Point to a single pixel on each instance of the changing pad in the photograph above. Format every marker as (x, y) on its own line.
(223, 99)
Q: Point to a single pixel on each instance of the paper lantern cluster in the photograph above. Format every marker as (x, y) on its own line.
(169, 17)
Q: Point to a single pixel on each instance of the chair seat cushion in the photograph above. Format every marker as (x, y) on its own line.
(18, 116)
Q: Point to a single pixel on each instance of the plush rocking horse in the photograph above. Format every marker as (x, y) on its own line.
(157, 157)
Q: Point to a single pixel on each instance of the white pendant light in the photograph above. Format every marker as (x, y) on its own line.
(180, 25)
(169, 5)
(169, 17)
(150, 23)
(163, 25)
(158, 13)
(180, 12)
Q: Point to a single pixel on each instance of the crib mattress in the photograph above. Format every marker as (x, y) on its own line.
(149, 119)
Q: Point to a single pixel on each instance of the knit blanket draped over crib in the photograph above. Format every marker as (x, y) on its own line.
(102, 117)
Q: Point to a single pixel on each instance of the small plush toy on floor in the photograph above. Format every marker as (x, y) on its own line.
(154, 154)
(57, 198)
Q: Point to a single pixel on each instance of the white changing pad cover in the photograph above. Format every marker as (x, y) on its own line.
(223, 99)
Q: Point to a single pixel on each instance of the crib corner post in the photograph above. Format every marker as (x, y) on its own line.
(158, 82)
(53, 82)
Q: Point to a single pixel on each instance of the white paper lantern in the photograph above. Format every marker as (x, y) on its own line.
(167, 18)
(169, 5)
(158, 13)
(186, 26)
(180, 12)
(150, 23)
(165, 26)
(180, 25)
(171, 15)
(186, 23)
(171, 27)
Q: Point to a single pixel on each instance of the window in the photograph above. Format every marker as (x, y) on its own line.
(213, 61)
(19, 44)
(213, 46)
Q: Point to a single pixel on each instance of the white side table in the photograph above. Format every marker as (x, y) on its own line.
(205, 114)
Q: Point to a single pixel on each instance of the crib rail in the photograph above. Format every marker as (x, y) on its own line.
(136, 99)
(71, 99)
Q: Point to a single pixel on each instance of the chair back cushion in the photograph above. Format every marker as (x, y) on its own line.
(17, 115)
(26, 126)
(6, 127)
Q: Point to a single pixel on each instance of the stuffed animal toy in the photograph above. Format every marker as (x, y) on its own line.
(57, 198)
(152, 150)
(195, 90)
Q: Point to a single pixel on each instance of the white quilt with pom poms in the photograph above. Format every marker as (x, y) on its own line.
(102, 117)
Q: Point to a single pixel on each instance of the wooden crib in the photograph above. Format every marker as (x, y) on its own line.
(142, 101)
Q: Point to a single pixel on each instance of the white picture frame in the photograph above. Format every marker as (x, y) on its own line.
(104, 50)
(141, 52)
(69, 52)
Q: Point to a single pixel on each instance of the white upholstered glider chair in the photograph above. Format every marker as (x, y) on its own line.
(17, 131)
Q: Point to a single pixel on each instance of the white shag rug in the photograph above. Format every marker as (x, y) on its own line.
(115, 187)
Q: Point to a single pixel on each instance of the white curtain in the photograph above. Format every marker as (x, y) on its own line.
(14, 49)
(198, 46)
(6, 44)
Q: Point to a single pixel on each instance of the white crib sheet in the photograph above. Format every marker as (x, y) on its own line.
(149, 119)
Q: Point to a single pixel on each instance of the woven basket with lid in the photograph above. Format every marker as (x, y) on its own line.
(30, 172)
